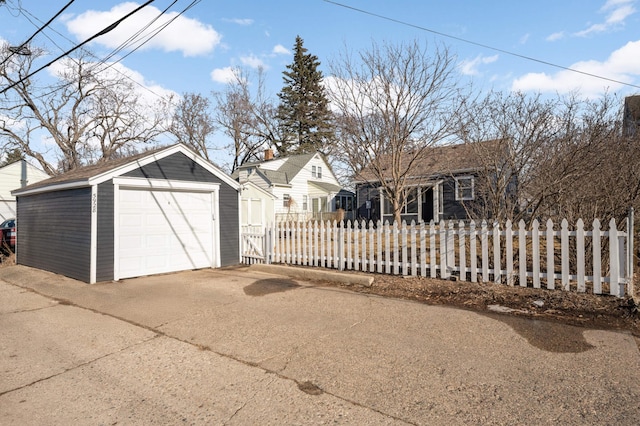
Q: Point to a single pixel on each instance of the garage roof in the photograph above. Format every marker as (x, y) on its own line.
(102, 172)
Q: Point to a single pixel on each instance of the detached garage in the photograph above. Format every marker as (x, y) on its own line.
(161, 211)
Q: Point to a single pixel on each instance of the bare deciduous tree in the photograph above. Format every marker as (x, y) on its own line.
(559, 158)
(248, 119)
(393, 103)
(193, 123)
(85, 116)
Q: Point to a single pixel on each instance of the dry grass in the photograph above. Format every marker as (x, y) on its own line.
(7, 260)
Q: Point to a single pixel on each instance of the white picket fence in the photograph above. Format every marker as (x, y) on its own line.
(584, 260)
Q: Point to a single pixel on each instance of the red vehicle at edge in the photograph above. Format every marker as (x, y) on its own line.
(8, 235)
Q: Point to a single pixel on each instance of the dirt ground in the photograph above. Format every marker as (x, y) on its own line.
(589, 310)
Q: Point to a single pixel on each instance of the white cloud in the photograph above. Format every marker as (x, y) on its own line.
(617, 11)
(621, 65)
(525, 38)
(556, 36)
(243, 22)
(186, 35)
(470, 66)
(224, 75)
(148, 92)
(279, 49)
(253, 62)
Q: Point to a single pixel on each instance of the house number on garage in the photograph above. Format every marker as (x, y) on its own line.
(94, 203)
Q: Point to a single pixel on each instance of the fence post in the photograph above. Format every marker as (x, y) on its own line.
(551, 269)
(266, 244)
(451, 250)
(535, 247)
(485, 251)
(340, 258)
(630, 252)
(522, 253)
(508, 246)
(597, 258)
(497, 268)
(614, 262)
(580, 256)
(461, 249)
(473, 253)
(444, 271)
(564, 254)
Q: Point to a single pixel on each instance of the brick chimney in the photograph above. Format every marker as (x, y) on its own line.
(268, 154)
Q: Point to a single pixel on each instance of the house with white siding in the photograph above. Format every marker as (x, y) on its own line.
(301, 187)
(14, 176)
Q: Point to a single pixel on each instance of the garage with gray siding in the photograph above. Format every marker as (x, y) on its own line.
(157, 212)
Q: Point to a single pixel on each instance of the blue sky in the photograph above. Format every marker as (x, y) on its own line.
(197, 50)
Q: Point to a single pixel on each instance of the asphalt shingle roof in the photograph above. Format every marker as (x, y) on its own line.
(443, 159)
(290, 167)
(85, 173)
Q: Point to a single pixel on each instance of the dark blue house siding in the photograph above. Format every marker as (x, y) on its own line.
(54, 232)
(180, 167)
(105, 243)
(368, 194)
(452, 208)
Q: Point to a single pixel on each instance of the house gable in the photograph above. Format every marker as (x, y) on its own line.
(14, 176)
(293, 180)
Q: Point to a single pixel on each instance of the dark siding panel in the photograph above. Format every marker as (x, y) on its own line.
(229, 226)
(104, 264)
(368, 192)
(452, 209)
(54, 232)
(181, 167)
(178, 167)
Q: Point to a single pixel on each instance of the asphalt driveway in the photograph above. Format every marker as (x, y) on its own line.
(243, 347)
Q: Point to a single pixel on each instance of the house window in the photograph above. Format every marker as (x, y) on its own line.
(464, 188)
(286, 200)
(411, 202)
(305, 203)
(319, 175)
(319, 204)
(313, 171)
(343, 202)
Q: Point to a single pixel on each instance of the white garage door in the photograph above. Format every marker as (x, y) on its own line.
(163, 231)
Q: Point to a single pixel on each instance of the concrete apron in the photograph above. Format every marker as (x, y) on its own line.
(238, 347)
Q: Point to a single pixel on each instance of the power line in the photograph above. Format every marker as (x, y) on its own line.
(129, 42)
(73, 49)
(28, 15)
(486, 46)
(154, 32)
(13, 52)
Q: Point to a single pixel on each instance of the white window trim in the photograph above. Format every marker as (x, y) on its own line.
(457, 188)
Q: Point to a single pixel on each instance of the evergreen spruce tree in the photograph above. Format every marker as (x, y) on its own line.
(12, 156)
(303, 112)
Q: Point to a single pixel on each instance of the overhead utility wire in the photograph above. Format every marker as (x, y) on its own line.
(28, 14)
(13, 52)
(529, 58)
(103, 32)
(131, 40)
(154, 32)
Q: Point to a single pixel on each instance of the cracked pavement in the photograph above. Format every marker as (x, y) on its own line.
(198, 348)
